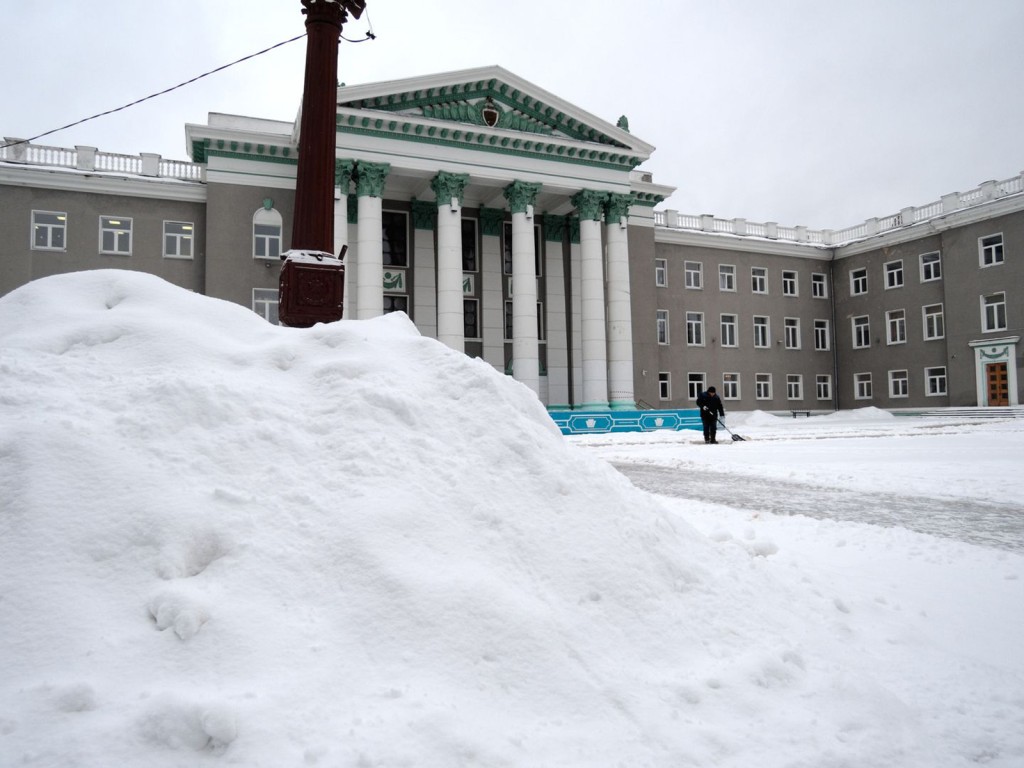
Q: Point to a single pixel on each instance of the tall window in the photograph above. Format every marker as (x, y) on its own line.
(49, 230)
(993, 312)
(507, 248)
(899, 384)
(266, 234)
(470, 262)
(789, 283)
(661, 272)
(791, 326)
(862, 386)
(858, 282)
(396, 303)
(695, 384)
(663, 326)
(794, 386)
(178, 239)
(934, 327)
(508, 321)
(471, 318)
(935, 381)
(726, 277)
(730, 386)
(695, 329)
(931, 267)
(664, 385)
(759, 279)
(821, 335)
(694, 273)
(861, 332)
(894, 274)
(116, 235)
(819, 288)
(896, 323)
(394, 226)
(728, 330)
(763, 386)
(540, 322)
(990, 250)
(823, 386)
(762, 332)
(265, 303)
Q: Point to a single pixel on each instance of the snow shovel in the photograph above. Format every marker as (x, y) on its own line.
(735, 438)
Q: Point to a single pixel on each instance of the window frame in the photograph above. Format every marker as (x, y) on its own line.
(179, 238)
(941, 315)
(693, 278)
(997, 314)
(696, 382)
(664, 385)
(794, 386)
(50, 229)
(467, 253)
(112, 224)
(893, 271)
(662, 318)
(264, 306)
(861, 331)
(268, 218)
(790, 282)
(932, 265)
(859, 281)
(991, 254)
(759, 276)
(661, 273)
(466, 302)
(930, 378)
(862, 386)
(731, 386)
(727, 274)
(728, 331)
(822, 336)
(762, 386)
(895, 327)
(902, 377)
(694, 329)
(823, 386)
(819, 280)
(766, 331)
(791, 332)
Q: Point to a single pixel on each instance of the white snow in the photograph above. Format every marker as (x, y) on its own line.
(228, 543)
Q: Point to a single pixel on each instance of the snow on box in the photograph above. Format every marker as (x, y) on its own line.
(224, 542)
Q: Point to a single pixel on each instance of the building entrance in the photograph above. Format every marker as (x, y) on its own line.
(998, 383)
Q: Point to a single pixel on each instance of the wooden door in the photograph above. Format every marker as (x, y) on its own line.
(998, 384)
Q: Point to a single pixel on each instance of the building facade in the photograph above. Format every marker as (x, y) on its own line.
(511, 225)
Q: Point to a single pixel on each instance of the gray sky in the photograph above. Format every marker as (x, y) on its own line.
(797, 111)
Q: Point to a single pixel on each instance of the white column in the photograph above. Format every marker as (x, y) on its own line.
(424, 220)
(592, 326)
(492, 319)
(525, 354)
(554, 304)
(370, 275)
(448, 187)
(620, 322)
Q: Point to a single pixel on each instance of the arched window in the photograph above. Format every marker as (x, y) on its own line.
(266, 234)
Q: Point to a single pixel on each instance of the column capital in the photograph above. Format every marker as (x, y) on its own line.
(554, 228)
(449, 185)
(491, 220)
(573, 223)
(343, 172)
(616, 206)
(521, 195)
(588, 202)
(424, 215)
(370, 178)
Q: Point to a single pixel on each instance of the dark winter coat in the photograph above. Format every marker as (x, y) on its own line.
(710, 406)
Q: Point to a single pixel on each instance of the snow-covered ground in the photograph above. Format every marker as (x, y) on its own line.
(228, 543)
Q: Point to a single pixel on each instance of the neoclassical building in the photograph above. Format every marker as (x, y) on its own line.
(518, 228)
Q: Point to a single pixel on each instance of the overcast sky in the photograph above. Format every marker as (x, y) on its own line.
(797, 111)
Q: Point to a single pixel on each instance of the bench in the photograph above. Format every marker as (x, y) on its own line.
(805, 413)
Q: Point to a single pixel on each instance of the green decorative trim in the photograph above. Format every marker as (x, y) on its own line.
(648, 199)
(623, 123)
(554, 228)
(448, 185)
(268, 203)
(617, 206)
(353, 209)
(424, 215)
(589, 203)
(370, 178)
(343, 171)
(271, 158)
(574, 229)
(491, 221)
(996, 354)
(521, 194)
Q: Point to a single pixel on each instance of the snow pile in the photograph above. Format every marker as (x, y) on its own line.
(227, 542)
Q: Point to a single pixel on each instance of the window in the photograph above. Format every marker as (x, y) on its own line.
(759, 280)
(821, 335)
(507, 248)
(726, 277)
(763, 386)
(265, 302)
(470, 263)
(396, 304)
(695, 384)
(663, 326)
(823, 386)
(894, 274)
(794, 386)
(790, 287)
(661, 272)
(178, 239)
(934, 328)
(861, 332)
(931, 267)
(694, 273)
(862, 386)
(116, 235)
(49, 230)
(394, 229)
(993, 312)
(540, 321)
(935, 381)
(728, 330)
(896, 322)
(990, 250)
(664, 385)
(899, 384)
(791, 326)
(819, 288)
(762, 332)
(858, 282)
(695, 329)
(266, 234)
(508, 321)
(471, 318)
(730, 386)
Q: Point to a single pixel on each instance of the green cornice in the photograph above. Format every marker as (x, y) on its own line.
(648, 199)
(491, 220)
(370, 178)
(204, 149)
(521, 194)
(554, 228)
(424, 215)
(470, 137)
(449, 185)
(589, 203)
(616, 206)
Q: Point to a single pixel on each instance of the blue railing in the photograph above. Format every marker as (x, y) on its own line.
(602, 422)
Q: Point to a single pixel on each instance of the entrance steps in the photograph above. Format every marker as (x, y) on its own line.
(992, 412)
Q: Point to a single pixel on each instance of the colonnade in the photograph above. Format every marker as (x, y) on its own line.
(603, 331)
